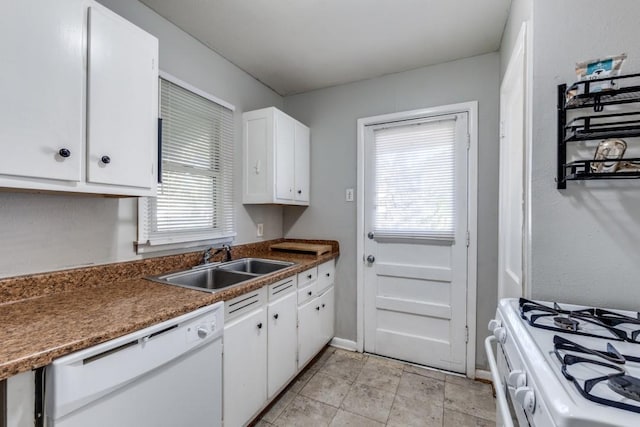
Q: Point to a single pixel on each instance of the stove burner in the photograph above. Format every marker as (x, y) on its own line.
(566, 323)
(626, 386)
(610, 360)
(589, 322)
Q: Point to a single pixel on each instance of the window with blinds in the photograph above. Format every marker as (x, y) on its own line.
(194, 201)
(415, 180)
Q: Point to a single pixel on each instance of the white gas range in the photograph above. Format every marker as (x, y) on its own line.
(565, 365)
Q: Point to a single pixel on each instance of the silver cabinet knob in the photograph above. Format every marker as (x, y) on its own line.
(371, 259)
(203, 332)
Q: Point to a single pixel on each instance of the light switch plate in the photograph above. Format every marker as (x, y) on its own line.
(260, 231)
(349, 195)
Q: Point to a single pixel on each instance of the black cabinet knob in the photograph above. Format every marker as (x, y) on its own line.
(299, 191)
(105, 159)
(260, 325)
(322, 305)
(309, 276)
(309, 293)
(64, 152)
(328, 274)
(318, 308)
(275, 316)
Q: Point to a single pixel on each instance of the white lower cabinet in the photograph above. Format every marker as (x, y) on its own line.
(282, 342)
(244, 359)
(269, 335)
(20, 393)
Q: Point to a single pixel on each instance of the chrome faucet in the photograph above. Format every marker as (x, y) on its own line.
(206, 256)
(227, 252)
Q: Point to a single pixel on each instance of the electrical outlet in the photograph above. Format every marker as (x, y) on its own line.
(260, 231)
(349, 195)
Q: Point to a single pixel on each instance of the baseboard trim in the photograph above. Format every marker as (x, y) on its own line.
(344, 344)
(483, 375)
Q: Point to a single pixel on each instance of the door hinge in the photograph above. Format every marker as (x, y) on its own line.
(468, 141)
(466, 334)
(468, 238)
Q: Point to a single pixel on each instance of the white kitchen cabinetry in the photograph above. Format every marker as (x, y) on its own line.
(282, 343)
(316, 324)
(79, 110)
(244, 358)
(276, 158)
(20, 394)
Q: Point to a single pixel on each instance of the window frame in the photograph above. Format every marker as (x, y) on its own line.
(146, 243)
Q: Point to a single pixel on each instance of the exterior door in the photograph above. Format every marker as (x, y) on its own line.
(415, 219)
(512, 143)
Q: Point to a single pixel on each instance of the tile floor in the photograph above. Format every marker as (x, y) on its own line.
(342, 388)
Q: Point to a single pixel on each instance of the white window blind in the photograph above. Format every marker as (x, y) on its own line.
(415, 180)
(194, 201)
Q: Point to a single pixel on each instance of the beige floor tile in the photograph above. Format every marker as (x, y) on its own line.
(421, 388)
(411, 412)
(347, 419)
(304, 412)
(302, 380)
(345, 365)
(276, 409)
(464, 381)
(262, 423)
(425, 372)
(473, 399)
(458, 419)
(369, 402)
(322, 359)
(326, 389)
(382, 375)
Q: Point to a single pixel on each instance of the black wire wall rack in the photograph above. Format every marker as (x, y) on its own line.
(624, 90)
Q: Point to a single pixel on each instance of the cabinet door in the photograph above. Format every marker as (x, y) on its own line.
(302, 163)
(327, 316)
(122, 106)
(308, 331)
(41, 112)
(284, 146)
(282, 345)
(244, 367)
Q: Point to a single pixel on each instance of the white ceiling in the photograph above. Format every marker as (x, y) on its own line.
(296, 46)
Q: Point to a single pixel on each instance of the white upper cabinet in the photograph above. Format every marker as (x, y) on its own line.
(276, 158)
(122, 105)
(41, 112)
(79, 111)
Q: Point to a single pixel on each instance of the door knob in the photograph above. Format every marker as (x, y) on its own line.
(371, 259)
(105, 159)
(370, 235)
(64, 152)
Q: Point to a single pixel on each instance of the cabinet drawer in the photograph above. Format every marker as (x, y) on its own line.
(306, 293)
(326, 273)
(307, 276)
(244, 303)
(282, 288)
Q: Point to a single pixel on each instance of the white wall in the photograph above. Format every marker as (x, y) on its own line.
(521, 11)
(586, 238)
(49, 232)
(332, 113)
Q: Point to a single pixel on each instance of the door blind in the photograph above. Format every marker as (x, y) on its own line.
(415, 180)
(194, 200)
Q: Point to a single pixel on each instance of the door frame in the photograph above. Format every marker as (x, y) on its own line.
(471, 108)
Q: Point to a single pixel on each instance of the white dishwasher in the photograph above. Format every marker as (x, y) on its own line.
(169, 374)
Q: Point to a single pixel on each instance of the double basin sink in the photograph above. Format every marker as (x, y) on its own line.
(216, 277)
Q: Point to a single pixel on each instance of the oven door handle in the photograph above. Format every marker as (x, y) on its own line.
(503, 406)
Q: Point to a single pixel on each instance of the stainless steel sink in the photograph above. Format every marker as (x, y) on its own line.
(255, 265)
(215, 277)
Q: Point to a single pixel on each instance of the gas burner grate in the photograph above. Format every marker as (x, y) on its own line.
(589, 322)
(610, 366)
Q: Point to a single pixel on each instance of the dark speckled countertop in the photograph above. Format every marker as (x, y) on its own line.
(81, 311)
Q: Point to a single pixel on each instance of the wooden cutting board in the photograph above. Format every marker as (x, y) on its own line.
(313, 248)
